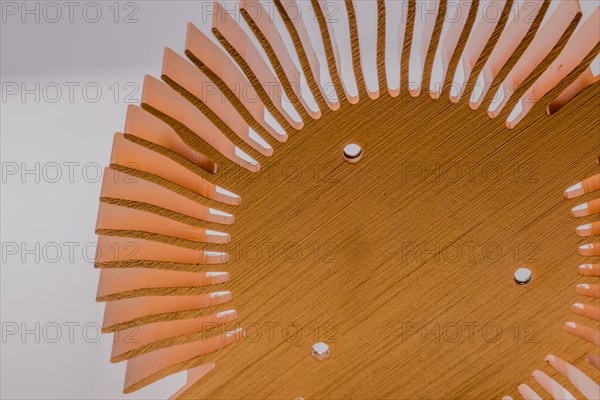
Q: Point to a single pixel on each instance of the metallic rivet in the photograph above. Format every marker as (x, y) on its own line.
(523, 276)
(320, 351)
(352, 152)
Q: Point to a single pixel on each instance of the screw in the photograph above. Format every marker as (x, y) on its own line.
(523, 276)
(352, 152)
(320, 351)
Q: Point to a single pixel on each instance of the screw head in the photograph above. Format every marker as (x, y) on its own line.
(523, 276)
(352, 152)
(320, 351)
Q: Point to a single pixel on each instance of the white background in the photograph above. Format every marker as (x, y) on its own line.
(52, 209)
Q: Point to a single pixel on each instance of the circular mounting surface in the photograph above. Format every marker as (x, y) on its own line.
(401, 260)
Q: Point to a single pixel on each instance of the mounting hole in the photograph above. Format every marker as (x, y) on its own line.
(320, 351)
(352, 152)
(523, 276)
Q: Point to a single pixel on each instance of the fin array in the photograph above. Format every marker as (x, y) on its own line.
(581, 382)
